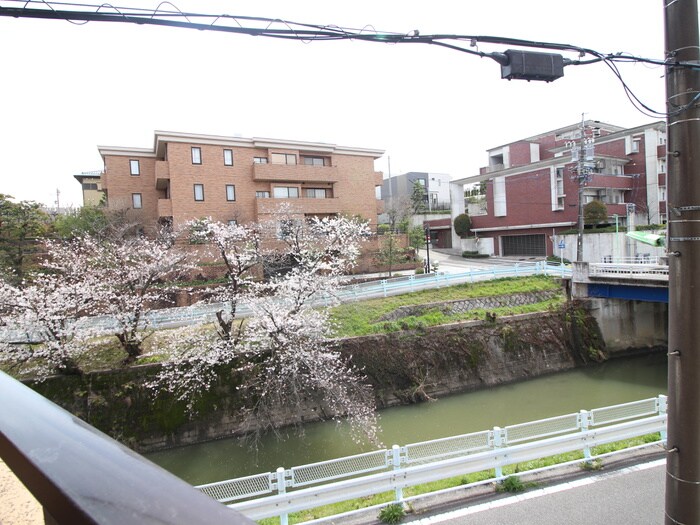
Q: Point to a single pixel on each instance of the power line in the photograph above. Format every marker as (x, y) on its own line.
(169, 15)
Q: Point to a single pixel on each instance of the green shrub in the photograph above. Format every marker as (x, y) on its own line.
(511, 484)
(474, 255)
(462, 225)
(392, 514)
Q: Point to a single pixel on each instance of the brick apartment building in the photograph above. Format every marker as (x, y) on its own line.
(186, 176)
(532, 191)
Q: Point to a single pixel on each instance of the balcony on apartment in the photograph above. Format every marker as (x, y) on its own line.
(618, 182)
(295, 172)
(264, 206)
(162, 174)
(165, 208)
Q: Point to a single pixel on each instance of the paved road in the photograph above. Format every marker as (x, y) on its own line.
(633, 495)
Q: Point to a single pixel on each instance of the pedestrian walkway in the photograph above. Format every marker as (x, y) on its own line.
(633, 494)
(17, 505)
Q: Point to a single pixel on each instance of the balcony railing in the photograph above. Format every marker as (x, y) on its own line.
(82, 476)
(162, 174)
(165, 208)
(300, 205)
(295, 172)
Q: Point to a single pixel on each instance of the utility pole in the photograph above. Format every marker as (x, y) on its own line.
(583, 155)
(683, 162)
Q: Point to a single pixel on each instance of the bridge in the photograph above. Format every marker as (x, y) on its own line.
(640, 279)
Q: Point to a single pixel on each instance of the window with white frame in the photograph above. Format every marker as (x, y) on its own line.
(262, 194)
(196, 155)
(230, 192)
(134, 167)
(285, 192)
(228, 157)
(259, 160)
(199, 192)
(136, 202)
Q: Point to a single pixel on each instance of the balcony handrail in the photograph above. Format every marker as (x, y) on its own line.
(82, 476)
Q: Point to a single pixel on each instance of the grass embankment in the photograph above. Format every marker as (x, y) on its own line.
(386, 497)
(351, 319)
(363, 318)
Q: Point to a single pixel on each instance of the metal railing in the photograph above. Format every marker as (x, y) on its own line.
(82, 476)
(309, 486)
(206, 313)
(655, 272)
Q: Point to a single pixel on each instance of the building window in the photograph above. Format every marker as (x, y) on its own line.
(89, 186)
(136, 201)
(230, 192)
(134, 167)
(259, 160)
(284, 158)
(228, 157)
(284, 192)
(199, 192)
(262, 194)
(196, 155)
(662, 165)
(315, 193)
(316, 161)
(232, 222)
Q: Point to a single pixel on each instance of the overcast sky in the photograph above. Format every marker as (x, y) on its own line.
(68, 88)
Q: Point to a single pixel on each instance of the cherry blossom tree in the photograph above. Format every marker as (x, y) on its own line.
(134, 274)
(47, 308)
(283, 353)
(238, 247)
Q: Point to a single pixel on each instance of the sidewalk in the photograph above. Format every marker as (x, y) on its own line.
(17, 505)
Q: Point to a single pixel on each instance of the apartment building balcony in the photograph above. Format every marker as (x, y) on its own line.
(295, 172)
(162, 174)
(300, 206)
(165, 208)
(618, 182)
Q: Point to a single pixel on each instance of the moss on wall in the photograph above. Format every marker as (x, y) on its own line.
(403, 367)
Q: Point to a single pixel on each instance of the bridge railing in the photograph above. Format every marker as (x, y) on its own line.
(395, 469)
(628, 271)
(81, 476)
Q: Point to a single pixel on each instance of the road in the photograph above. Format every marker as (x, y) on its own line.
(632, 495)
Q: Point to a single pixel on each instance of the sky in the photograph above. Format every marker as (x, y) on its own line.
(68, 88)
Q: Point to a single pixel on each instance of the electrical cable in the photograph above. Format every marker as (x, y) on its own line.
(82, 13)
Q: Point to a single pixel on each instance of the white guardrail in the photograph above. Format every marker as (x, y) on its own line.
(289, 490)
(206, 313)
(629, 271)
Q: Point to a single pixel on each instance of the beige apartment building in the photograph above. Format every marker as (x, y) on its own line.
(186, 176)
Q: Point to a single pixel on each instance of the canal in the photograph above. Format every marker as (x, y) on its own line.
(613, 382)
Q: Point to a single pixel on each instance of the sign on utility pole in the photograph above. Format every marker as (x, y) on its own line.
(683, 241)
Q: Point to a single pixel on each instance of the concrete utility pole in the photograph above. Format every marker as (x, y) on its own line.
(683, 150)
(583, 155)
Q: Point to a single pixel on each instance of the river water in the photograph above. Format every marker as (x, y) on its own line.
(610, 383)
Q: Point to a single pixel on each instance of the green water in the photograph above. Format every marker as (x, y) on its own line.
(619, 381)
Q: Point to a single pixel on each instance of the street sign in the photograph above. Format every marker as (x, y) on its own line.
(562, 245)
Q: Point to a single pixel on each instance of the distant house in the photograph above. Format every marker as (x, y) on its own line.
(91, 183)
(532, 186)
(231, 179)
(436, 188)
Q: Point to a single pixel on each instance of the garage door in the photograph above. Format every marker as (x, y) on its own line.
(524, 245)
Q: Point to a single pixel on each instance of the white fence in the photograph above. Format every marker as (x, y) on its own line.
(206, 313)
(629, 271)
(300, 488)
